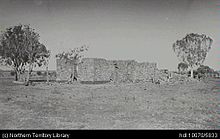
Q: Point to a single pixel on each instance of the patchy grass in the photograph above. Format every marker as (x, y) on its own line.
(189, 105)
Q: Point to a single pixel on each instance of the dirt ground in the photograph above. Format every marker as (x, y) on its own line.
(186, 105)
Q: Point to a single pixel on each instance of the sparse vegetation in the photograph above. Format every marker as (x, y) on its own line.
(190, 105)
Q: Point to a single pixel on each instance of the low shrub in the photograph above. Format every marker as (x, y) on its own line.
(39, 73)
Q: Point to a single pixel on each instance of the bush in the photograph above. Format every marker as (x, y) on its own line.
(39, 73)
(203, 71)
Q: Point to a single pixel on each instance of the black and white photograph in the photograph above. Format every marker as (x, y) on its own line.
(109, 64)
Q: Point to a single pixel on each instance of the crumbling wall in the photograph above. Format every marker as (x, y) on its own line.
(161, 76)
(86, 70)
(103, 70)
(144, 71)
(63, 69)
(97, 69)
(123, 70)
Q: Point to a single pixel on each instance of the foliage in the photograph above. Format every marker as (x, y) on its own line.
(20, 47)
(12, 50)
(39, 73)
(35, 51)
(204, 71)
(192, 49)
(182, 66)
(73, 56)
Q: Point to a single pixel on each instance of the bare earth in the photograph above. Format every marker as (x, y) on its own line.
(187, 105)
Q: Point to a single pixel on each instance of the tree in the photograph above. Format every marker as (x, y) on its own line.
(192, 49)
(12, 50)
(35, 51)
(37, 56)
(20, 47)
(182, 67)
(205, 71)
(73, 56)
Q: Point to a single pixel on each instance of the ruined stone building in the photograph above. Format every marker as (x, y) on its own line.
(98, 69)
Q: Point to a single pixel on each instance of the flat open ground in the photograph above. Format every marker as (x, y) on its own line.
(188, 105)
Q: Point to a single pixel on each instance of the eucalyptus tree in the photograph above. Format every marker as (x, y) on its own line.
(193, 49)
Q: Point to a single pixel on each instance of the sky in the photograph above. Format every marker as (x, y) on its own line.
(142, 30)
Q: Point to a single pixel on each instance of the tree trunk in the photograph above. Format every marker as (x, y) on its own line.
(16, 76)
(28, 75)
(19, 76)
(75, 72)
(71, 76)
(191, 72)
(47, 73)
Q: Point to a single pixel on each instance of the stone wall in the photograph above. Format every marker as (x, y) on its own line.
(103, 70)
(63, 69)
(123, 70)
(86, 69)
(162, 76)
(97, 69)
(145, 71)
